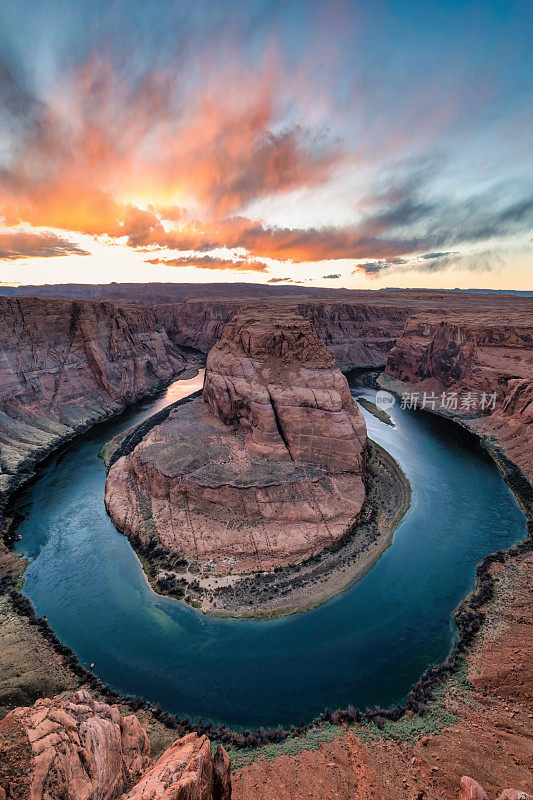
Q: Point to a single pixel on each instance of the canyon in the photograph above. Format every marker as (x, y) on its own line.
(79, 354)
(264, 471)
(68, 363)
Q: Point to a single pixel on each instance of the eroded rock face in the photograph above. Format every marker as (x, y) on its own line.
(65, 364)
(85, 750)
(356, 333)
(186, 771)
(74, 750)
(266, 472)
(473, 353)
(274, 378)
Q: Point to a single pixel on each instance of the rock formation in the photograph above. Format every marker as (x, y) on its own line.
(265, 471)
(472, 354)
(273, 377)
(85, 750)
(67, 364)
(357, 334)
(471, 790)
(186, 771)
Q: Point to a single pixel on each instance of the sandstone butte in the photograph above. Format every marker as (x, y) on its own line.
(82, 749)
(265, 470)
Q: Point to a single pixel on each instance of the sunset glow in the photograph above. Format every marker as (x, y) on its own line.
(253, 145)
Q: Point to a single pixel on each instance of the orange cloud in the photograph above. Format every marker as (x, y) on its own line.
(212, 262)
(285, 244)
(101, 141)
(15, 245)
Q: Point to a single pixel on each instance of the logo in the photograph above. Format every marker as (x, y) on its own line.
(384, 400)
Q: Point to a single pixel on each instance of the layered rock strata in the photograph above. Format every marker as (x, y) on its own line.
(487, 365)
(357, 334)
(265, 471)
(65, 365)
(81, 749)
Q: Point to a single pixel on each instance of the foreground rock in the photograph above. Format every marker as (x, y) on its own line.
(471, 790)
(65, 365)
(85, 750)
(486, 363)
(186, 771)
(265, 471)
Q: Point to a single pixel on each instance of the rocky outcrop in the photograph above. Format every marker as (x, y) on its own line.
(476, 359)
(75, 750)
(265, 471)
(65, 365)
(186, 771)
(86, 750)
(471, 790)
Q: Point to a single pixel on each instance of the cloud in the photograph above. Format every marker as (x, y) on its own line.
(330, 277)
(408, 203)
(15, 245)
(483, 260)
(286, 244)
(212, 262)
(480, 260)
(177, 164)
(436, 255)
(395, 222)
(105, 136)
(283, 280)
(373, 268)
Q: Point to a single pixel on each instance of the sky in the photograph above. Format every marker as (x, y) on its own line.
(357, 144)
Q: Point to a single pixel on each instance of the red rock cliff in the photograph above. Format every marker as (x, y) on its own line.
(471, 353)
(66, 364)
(356, 334)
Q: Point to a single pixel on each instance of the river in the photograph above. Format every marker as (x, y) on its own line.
(366, 647)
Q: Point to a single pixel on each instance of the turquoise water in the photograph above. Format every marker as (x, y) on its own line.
(365, 647)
